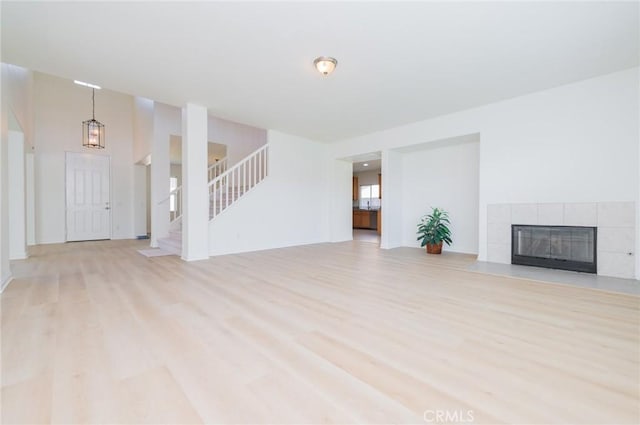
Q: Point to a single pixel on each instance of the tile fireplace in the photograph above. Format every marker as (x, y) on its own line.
(613, 223)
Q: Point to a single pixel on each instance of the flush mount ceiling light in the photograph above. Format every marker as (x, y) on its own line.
(325, 64)
(93, 130)
(365, 165)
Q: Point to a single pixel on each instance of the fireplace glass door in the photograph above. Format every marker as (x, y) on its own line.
(560, 247)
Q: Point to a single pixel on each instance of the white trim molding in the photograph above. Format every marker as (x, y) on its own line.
(5, 282)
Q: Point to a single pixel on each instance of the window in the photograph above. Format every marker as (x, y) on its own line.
(173, 184)
(369, 196)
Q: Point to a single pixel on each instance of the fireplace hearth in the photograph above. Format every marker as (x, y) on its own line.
(556, 247)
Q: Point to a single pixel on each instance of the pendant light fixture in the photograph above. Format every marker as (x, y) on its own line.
(93, 130)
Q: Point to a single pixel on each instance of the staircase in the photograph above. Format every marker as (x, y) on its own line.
(226, 187)
(172, 243)
(224, 198)
(231, 185)
(216, 169)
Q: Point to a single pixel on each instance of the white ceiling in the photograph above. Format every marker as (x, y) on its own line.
(373, 165)
(251, 62)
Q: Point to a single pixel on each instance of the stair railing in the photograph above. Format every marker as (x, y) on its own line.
(175, 204)
(232, 184)
(216, 169)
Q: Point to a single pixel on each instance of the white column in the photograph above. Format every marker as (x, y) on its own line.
(391, 200)
(160, 170)
(140, 200)
(30, 191)
(637, 253)
(195, 194)
(5, 270)
(17, 206)
(339, 205)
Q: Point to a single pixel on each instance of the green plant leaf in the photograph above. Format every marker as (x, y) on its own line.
(433, 228)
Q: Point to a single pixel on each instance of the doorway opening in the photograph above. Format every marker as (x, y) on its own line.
(367, 198)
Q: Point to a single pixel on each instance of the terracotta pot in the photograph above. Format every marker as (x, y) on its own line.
(434, 249)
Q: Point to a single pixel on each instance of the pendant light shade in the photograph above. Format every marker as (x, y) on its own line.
(93, 130)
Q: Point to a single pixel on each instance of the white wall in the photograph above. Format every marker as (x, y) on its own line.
(240, 139)
(167, 121)
(338, 208)
(30, 193)
(5, 270)
(139, 200)
(367, 177)
(18, 86)
(392, 200)
(574, 143)
(60, 107)
(287, 208)
(142, 127)
(16, 90)
(148, 172)
(17, 200)
(444, 176)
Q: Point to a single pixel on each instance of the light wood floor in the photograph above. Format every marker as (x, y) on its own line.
(342, 333)
(364, 235)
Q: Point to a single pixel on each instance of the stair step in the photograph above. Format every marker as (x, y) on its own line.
(171, 244)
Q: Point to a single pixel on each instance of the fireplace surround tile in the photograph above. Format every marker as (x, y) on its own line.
(499, 253)
(581, 214)
(616, 264)
(616, 214)
(499, 213)
(551, 214)
(616, 239)
(524, 213)
(499, 233)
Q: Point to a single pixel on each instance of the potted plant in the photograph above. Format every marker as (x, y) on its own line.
(433, 230)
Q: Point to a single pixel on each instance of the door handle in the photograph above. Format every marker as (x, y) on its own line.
(107, 208)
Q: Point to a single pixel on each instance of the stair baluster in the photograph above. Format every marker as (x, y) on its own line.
(235, 182)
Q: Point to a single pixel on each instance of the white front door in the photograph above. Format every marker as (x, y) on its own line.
(88, 197)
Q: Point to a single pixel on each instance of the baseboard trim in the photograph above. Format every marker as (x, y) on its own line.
(21, 256)
(5, 282)
(188, 260)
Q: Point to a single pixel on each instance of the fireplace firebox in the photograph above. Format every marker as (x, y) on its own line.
(555, 247)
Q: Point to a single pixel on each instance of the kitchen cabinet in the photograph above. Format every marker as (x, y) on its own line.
(379, 219)
(361, 219)
(355, 189)
(365, 219)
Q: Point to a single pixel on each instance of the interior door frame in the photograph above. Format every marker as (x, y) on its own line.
(66, 230)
